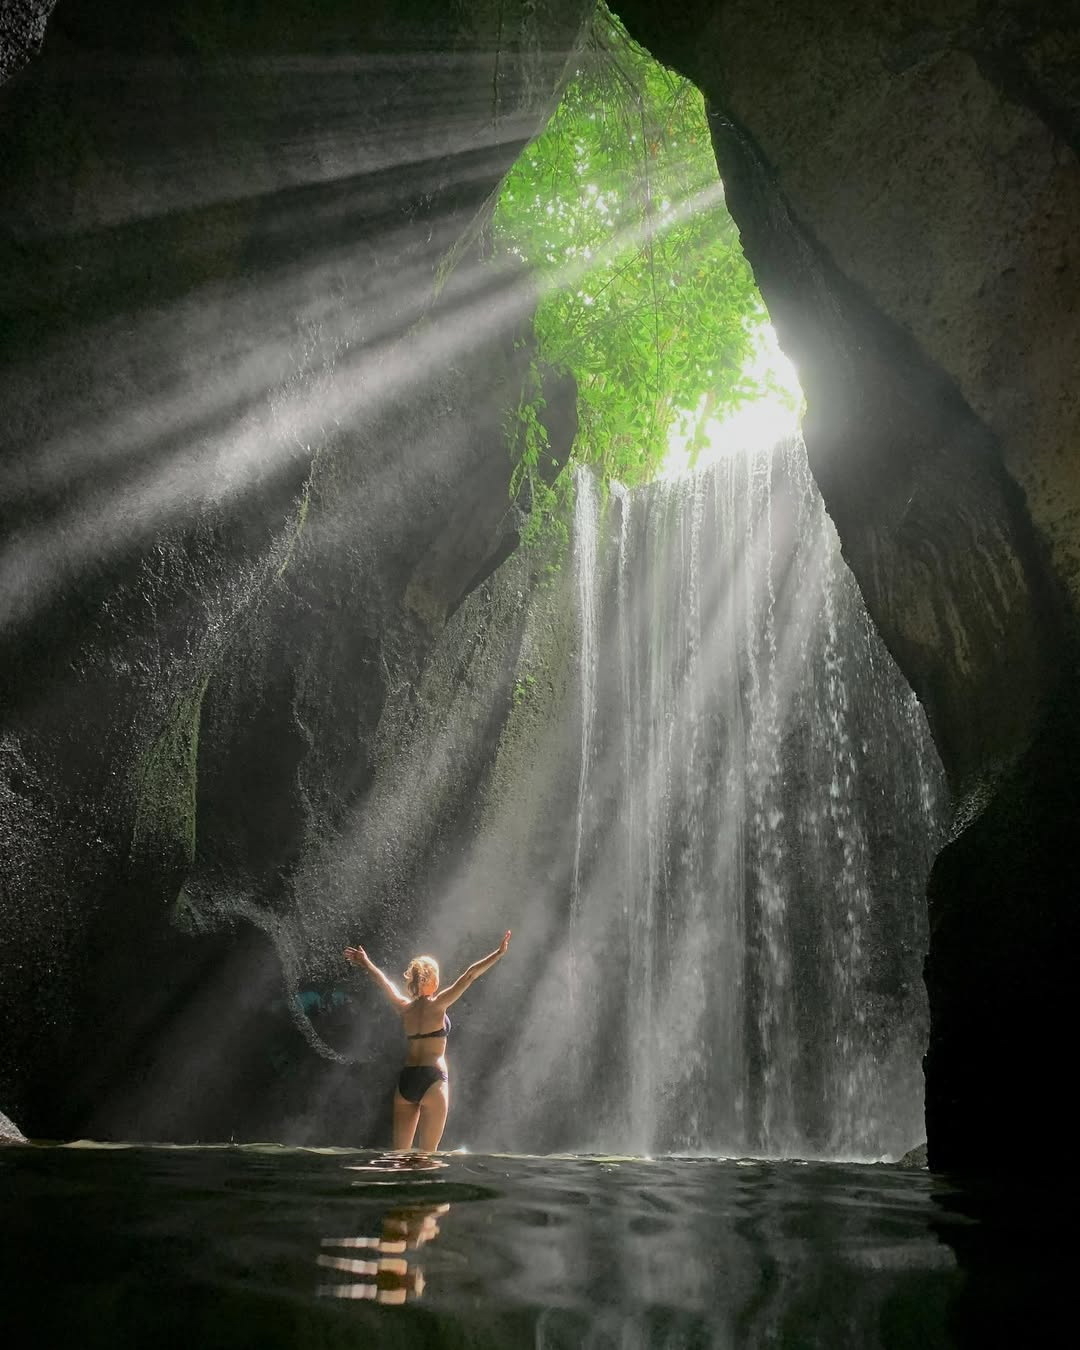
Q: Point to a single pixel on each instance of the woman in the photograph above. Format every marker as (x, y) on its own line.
(422, 1094)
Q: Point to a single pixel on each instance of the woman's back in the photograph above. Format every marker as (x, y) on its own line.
(426, 1026)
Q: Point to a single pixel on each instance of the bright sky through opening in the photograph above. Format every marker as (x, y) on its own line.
(759, 424)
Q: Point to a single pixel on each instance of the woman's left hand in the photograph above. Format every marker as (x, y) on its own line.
(356, 956)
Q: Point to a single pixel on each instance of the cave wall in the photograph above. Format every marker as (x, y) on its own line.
(906, 184)
(254, 372)
(204, 370)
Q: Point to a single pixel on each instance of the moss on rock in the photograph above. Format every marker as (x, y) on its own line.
(163, 832)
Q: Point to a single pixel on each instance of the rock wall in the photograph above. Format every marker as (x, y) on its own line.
(22, 28)
(254, 378)
(10, 1132)
(219, 242)
(906, 184)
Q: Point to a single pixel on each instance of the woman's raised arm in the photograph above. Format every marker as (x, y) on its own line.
(478, 968)
(356, 956)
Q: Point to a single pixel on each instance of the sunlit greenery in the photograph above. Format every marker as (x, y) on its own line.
(646, 297)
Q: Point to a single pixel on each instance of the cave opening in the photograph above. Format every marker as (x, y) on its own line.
(644, 296)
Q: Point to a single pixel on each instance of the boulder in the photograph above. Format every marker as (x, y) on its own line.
(10, 1132)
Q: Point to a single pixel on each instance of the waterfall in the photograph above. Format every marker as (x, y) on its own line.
(585, 526)
(685, 770)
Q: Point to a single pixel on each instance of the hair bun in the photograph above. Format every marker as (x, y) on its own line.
(417, 972)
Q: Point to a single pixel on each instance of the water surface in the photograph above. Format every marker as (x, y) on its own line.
(258, 1245)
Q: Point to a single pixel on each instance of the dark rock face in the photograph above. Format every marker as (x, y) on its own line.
(906, 184)
(254, 381)
(10, 1132)
(22, 27)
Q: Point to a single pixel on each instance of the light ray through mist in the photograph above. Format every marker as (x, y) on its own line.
(637, 856)
(222, 466)
(701, 758)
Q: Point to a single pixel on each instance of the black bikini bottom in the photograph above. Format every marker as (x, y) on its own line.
(415, 1079)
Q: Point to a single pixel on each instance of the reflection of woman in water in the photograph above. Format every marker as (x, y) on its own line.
(422, 1094)
(388, 1277)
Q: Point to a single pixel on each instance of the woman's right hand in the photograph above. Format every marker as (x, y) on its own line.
(504, 943)
(356, 956)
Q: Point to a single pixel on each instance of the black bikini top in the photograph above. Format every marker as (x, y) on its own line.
(444, 1030)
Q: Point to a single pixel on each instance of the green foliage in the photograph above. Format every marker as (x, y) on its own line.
(646, 297)
(536, 470)
(524, 685)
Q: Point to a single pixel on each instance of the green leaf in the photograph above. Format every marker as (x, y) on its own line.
(665, 313)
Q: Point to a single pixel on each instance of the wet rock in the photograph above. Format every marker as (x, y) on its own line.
(905, 182)
(22, 28)
(10, 1132)
(254, 374)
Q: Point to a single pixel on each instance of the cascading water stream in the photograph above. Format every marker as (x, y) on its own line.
(688, 775)
(752, 590)
(585, 525)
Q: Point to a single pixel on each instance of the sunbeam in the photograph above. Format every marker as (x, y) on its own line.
(675, 978)
(270, 435)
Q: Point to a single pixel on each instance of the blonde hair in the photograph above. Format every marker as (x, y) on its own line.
(417, 972)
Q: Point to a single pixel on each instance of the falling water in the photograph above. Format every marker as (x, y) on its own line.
(773, 798)
(687, 773)
(585, 572)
